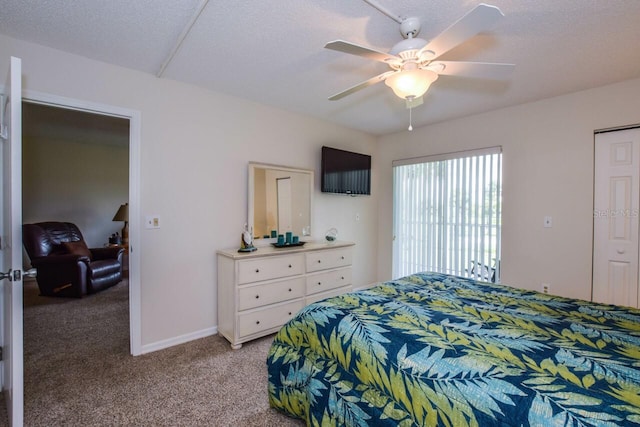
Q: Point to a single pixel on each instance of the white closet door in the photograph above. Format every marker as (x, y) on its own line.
(616, 217)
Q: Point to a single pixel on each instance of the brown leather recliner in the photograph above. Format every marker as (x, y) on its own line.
(66, 266)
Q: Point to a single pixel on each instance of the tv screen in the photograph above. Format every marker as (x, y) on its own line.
(345, 172)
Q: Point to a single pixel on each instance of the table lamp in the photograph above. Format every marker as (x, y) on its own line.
(123, 215)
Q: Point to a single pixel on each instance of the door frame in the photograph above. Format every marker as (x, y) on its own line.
(134, 117)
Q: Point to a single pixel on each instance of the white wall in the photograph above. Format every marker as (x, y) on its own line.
(547, 170)
(194, 153)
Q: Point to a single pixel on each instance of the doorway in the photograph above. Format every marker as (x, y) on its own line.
(134, 119)
(75, 168)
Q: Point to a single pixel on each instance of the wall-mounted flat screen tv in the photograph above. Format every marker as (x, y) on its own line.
(345, 172)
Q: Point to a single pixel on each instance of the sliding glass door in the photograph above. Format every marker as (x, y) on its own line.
(447, 214)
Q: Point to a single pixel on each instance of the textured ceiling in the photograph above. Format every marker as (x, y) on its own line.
(272, 51)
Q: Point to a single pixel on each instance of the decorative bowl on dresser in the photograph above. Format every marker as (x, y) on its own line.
(258, 292)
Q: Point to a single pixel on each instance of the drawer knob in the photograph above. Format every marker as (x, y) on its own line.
(257, 270)
(289, 313)
(319, 283)
(342, 257)
(340, 278)
(319, 261)
(289, 265)
(257, 322)
(257, 296)
(289, 289)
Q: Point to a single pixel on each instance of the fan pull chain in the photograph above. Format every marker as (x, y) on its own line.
(410, 127)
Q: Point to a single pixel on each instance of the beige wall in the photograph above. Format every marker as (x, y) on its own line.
(82, 183)
(194, 153)
(547, 170)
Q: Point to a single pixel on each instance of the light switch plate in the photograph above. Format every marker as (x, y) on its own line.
(152, 221)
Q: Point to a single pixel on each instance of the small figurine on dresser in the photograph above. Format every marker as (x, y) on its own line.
(331, 235)
(246, 243)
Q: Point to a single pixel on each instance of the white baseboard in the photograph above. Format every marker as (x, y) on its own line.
(161, 345)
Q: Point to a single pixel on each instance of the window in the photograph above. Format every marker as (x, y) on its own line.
(447, 214)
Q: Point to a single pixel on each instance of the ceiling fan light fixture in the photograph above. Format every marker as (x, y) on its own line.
(411, 84)
(411, 60)
(409, 45)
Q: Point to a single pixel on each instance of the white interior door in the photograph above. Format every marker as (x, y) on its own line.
(284, 205)
(616, 217)
(11, 244)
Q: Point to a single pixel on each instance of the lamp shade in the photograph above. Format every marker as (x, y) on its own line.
(409, 84)
(122, 214)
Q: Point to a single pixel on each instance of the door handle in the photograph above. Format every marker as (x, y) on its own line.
(14, 275)
(620, 251)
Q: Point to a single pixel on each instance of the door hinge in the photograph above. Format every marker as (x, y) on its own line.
(4, 133)
(1, 354)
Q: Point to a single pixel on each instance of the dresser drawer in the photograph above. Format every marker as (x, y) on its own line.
(267, 318)
(324, 281)
(258, 292)
(255, 270)
(324, 260)
(270, 293)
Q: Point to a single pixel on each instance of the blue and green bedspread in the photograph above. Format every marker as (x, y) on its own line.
(438, 350)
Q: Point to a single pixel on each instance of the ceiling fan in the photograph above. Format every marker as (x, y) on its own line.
(413, 61)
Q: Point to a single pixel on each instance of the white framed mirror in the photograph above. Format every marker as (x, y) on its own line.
(280, 201)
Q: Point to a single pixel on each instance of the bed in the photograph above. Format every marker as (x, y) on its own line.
(431, 349)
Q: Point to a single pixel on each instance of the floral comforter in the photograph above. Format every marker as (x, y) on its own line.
(438, 350)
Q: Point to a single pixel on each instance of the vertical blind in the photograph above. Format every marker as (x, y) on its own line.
(447, 214)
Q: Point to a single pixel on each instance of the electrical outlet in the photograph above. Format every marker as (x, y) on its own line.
(545, 288)
(152, 221)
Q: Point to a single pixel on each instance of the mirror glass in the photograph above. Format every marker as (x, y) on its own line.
(280, 200)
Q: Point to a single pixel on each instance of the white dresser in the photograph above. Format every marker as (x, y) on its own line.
(260, 291)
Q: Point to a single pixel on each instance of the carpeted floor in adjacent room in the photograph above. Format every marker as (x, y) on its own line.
(78, 371)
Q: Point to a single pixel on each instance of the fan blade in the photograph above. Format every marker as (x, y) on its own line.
(354, 49)
(371, 81)
(479, 19)
(480, 70)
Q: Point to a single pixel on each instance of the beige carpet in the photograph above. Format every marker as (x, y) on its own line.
(78, 371)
